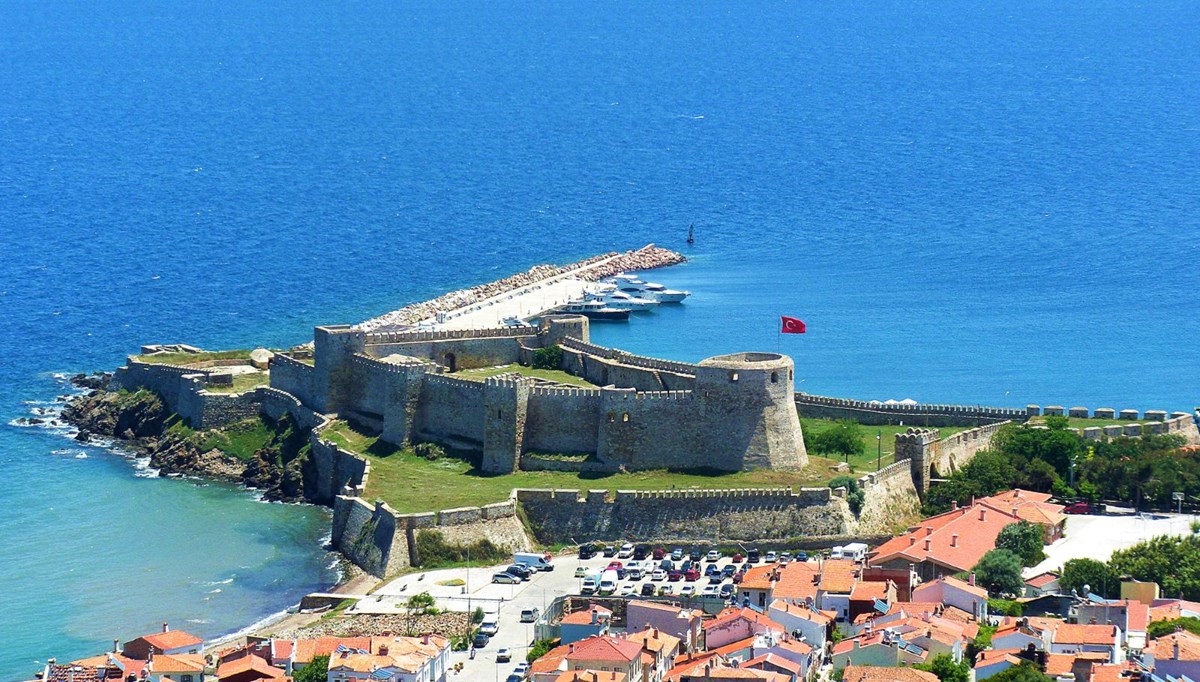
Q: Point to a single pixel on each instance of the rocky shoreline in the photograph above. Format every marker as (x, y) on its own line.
(139, 423)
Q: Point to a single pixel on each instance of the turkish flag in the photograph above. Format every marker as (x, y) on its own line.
(791, 325)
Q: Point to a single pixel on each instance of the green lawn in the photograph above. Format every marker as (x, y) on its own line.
(241, 439)
(867, 461)
(409, 483)
(547, 374)
(1078, 423)
(242, 382)
(193, 358)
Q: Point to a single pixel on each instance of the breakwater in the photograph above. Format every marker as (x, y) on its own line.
(589, 269)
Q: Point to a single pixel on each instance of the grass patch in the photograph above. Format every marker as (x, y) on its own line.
(546, 374)
(411, 484)
(193, 358)
(867, 461)
(241, 439)
(452, 582)
(1080, 423)
(242, 383)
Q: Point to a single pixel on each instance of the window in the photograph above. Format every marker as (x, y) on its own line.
(774, 377)
(187, 678)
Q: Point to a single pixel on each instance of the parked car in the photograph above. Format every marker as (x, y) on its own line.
(519, 570)
(530, 614)
(687, 591)
(648, 589)
(726, 591)
(480, 640)
(675, 575)
(641, 552)
(691, 575)
(587, 551)
(694, 554)
(711, 570)
(610, 551)
(503, 655)
(615, 564)
(628, 590)
(522, 669)
(580, 572)
(658, 574)
(677, 554)
(771, 557)
(715, 578)
(753, 556)
(589, 586)
(658, 553)
(713, 555)
(737, 577)
(626, 551)
(635, 572)
(738, 558)
(490, 625)
(728, 571)
(1083, 508)
(664, 589)
(666, 565)
(801, 555)
(505, 578)
(710, 591)
(514, 678)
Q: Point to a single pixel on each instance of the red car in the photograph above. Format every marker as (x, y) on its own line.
(615, 564)
(675, 575)
(691, 575)
(737, 558)
(659, 553)
(1083, 508)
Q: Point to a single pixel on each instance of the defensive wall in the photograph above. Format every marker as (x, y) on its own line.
(729, 413)
(383, 542)
(890, 500)
(928, 455)
(876, 413)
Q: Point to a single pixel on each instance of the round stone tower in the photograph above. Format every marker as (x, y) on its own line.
(554, 328)
(747, 410)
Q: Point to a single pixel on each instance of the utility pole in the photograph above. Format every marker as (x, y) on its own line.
(879, 450)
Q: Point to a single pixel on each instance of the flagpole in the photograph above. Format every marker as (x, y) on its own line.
(779, 333)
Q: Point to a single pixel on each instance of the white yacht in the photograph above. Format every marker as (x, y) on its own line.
(596, 310)
(614, 298)
(633, 286)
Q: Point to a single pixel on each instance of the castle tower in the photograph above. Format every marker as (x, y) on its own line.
(333, 346)
(552, 329)
(918, 446)
(746, 412)
(506, 403)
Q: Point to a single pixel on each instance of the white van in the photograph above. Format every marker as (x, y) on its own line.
(608, 582)
(855, 550)
(588, 586)
(533, 560)
(490, 624)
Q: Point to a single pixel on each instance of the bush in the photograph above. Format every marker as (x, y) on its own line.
(315, 671)
(1004, 607)
(430, 451)
(432, 550)
(1023, 539)
(843, 438)
(549, 357)
(1161, 628)
(477, 615)
(854, 494)
(540, 648)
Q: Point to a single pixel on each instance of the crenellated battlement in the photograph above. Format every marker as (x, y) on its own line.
(564, 392)
(404, 366)
(624, 358)
(455, 382)
(878, 413)
(379, 338)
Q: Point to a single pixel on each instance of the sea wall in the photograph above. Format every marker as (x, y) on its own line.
(383, 542)
(877, 414)
(563, 516)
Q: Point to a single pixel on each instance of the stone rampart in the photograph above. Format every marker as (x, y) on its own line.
(292, 376)
(683, 515)
(890, 500)
(877, 414)
(609, 367)
(451, 409)
(383, 338)
(331, 471)
(1180, 424)
(459, 352)
(929, 455)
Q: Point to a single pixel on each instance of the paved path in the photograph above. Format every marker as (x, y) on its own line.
(1098, 536)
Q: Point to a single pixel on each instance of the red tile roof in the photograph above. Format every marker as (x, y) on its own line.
(871, 673)
(584, 616)
(605, 648)
(1069, 633)
(1138, 616)
(774, 660)
(1163, 648)
(838, 575)
(956, 539)
(732, 614)
(171, 639)
(248, 663)
(1042, 579)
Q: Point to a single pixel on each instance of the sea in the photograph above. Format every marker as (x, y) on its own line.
(983, 202)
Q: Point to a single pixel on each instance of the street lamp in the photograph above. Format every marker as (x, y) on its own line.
(879, 450)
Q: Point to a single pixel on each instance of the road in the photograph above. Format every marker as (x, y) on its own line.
(1098, 536)
(507, 601)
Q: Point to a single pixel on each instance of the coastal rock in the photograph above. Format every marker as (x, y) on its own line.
(97, 381)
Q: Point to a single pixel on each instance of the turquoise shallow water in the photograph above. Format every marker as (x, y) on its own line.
(992, 202)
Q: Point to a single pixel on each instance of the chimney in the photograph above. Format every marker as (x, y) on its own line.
(383, 650)
(954, 540)
(570, 648)
(971, 579)
(954, 505)
(982, 514)
(912, 541)
(1175, 650)
(595, 615)
(928, 544)
(928, 531)
(425, 638)
(116, 645)
(1014, 510)
(166, 628)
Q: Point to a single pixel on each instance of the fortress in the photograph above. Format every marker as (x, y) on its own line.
(727, 413)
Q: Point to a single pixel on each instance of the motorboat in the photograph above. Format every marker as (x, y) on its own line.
(620, 300)
(595, 310)
(630, 284)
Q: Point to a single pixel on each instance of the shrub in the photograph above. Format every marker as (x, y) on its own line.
(432, 550)
(549, 357)
(540, 648)
(430, 451)
(1000, 572)
(854, 494)
(1023, 539)
(843, 438)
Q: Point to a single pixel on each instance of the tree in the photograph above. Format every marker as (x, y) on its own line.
(315, 671)
(1000, 572)
(416, 606)
(1160, 628)
(946, 669)
(1023, 539)
(540, 648)
(854, 494)
(477, 615)
(1172, 562)
(843, 438)
(1095, 574)
(1025, 672)
(549, 357)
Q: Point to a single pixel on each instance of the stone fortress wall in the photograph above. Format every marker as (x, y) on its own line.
(876, 413)
(735, 410)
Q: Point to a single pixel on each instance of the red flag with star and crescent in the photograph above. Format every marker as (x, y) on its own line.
(792, 325)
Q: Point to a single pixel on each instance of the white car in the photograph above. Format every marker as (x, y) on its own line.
(628, 590)
(634, 572)
(658, 574)
(626, 551)
(687, 591)
(522, 669)
(711, 591)
(713, 555)
(503, 655)
(770, 558)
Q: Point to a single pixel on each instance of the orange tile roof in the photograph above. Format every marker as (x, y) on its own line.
(246, 664)
(871, 673)
(605, 648)
(1163, 648)
(281, 649)
(869, 591)
(130, 666)
(307, 649)
(653, 639)
(796, 646)
(590, 676)
(177, 663)
(551, 661)
(584, 616)
(797, 580)
(956, 539)
(1069, 633)
(731, 614)
(1057, 664)
(171, 639)
(734, 647)
(1111, 672)
(805, 612)
(775, 660)
(360, 663)
(1137, 616)
(990, 656)
(863, 641)
(1042, 579)
(838, 576)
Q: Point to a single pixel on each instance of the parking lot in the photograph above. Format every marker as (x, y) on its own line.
(461, 589)
(1097, 536)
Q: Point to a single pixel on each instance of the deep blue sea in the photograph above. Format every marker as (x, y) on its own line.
(979, 202)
